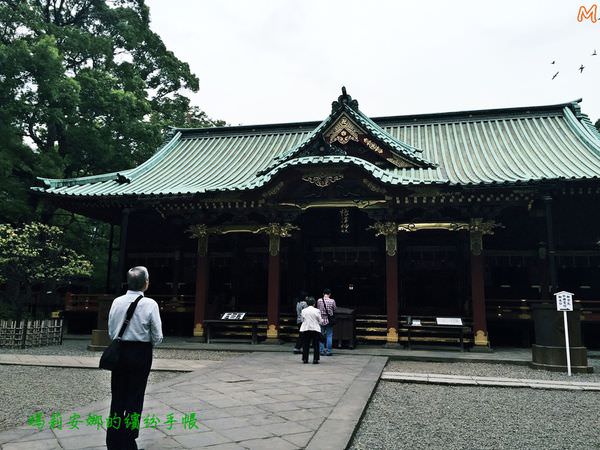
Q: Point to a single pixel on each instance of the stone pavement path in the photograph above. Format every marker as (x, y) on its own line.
(256, 401)
(91, 362)
(436, 378)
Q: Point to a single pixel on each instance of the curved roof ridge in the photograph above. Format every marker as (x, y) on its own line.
(122, 176)
(580, 129)
(437, 115)
(379, 173)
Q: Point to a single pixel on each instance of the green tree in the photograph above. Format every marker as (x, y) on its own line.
(86, 87)
(35, 256)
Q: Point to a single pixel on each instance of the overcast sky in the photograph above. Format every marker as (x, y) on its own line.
(270, 61)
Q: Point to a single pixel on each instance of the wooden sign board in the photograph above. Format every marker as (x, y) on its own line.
(233, 316)
(564, 301)
(449, 321)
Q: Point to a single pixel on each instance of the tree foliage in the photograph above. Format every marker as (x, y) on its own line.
(86, 87)
(36, 255)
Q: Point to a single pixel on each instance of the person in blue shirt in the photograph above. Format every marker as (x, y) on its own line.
(128, 381)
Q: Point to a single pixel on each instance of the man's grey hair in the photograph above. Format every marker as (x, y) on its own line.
(137, 278)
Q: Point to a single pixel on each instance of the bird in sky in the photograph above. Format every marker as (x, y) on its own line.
(594, 54)
(581, 68)
(555, 75)
(553, 62)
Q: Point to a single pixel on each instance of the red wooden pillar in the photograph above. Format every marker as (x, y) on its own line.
(275, 231)
(273, 295)
(391, 283)
(390, 231)
(201, 280)
(477, 285)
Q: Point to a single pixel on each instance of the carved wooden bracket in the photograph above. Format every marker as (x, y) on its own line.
(390, 231)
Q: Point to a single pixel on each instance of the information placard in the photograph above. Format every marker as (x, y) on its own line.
(233, 316)
(449, 321)
(564, 301)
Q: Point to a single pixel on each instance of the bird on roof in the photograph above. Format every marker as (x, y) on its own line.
(555, 75)
(581, 68)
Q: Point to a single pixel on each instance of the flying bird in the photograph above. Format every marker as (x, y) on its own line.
(552, 62)
(555, 75)
(581, 68)
(594, 54)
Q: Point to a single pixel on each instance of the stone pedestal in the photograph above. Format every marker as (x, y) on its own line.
(549, 352)
(100, 340)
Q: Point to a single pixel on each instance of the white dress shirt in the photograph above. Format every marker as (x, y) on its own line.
(311, 319)
(145, 324)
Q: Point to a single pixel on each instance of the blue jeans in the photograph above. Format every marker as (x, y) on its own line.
(327, 330)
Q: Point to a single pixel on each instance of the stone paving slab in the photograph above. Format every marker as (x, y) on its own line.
(488, 381)
(91, 362)
(256, 401)
(519, 356)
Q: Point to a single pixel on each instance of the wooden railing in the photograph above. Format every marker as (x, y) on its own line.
(521, 309)
(30, 333)
(90, 302)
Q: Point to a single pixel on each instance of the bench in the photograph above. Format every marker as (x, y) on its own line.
(209, 326)
(458, 331)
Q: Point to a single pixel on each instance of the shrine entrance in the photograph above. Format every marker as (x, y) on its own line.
(335, 250)
(434, 274)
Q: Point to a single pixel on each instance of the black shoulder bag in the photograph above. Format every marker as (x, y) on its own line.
(110, 357)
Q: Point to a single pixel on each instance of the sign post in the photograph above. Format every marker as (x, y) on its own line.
(564, 303)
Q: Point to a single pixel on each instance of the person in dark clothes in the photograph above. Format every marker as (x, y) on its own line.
(300, 305)
(310, 330)
(128, 380)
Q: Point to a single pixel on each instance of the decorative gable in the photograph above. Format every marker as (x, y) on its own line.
(348, 132)
(343, 131)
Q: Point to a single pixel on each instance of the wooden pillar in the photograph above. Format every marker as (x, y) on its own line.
(110, 255)
(275, 231)
(391, 291)
(175, 274)
(273, 288)
(390, 231)
(477, 285)
(551, 246)
(201, 234)
(122, 250)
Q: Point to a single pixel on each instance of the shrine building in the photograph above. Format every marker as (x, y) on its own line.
(473, 214)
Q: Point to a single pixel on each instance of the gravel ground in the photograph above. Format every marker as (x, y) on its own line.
(27, 389)
(492, 370)
(418, 416)
(79, 348)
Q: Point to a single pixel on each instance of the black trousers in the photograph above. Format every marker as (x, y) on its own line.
(310, 338)
(128, 386)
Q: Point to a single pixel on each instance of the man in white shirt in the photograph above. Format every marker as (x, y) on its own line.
(128, 381)
(310, 330)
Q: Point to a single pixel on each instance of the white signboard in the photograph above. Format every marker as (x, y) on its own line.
(416, 323)
(448, 320)
(233, 316)
(564, 301)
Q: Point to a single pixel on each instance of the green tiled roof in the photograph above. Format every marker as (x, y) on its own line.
(516, 145)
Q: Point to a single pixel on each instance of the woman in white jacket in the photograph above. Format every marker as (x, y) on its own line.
(310, 330)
